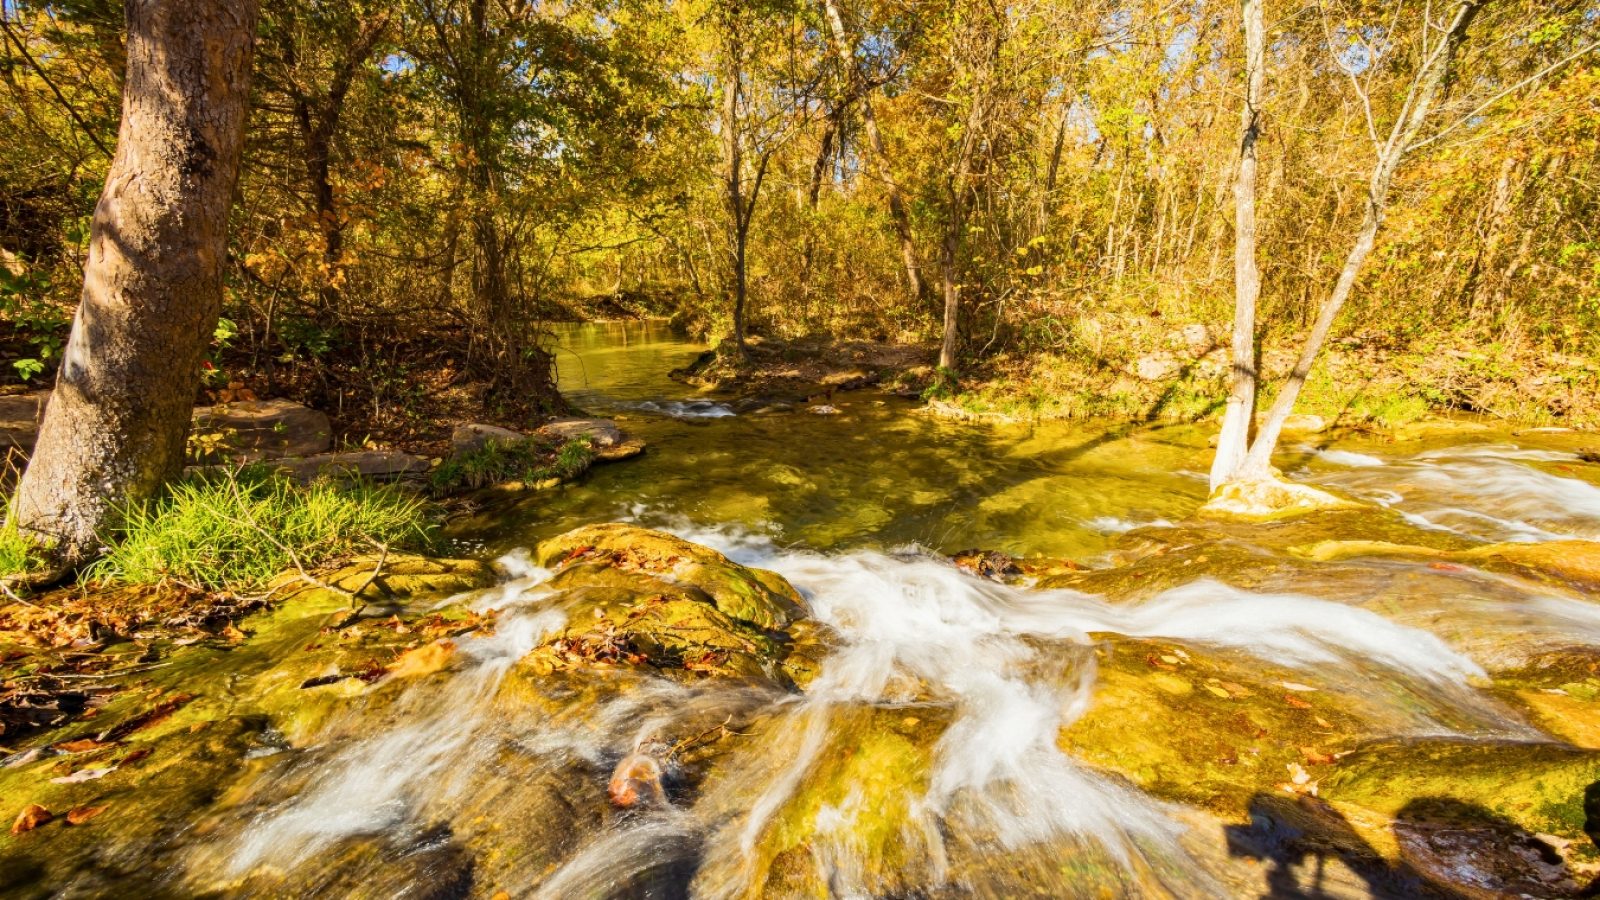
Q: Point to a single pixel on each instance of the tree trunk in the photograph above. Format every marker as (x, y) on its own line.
(949, 252)
(152, 290)
(878, 162)
(1430, 80)
(733, 191)
(1234, 440)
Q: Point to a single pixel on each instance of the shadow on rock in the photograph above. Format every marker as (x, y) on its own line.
(1313, 853)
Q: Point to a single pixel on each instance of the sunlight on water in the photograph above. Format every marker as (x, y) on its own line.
(845, 507)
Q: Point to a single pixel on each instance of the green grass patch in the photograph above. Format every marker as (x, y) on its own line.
(241, 529)
(529, 461)
(15, 552)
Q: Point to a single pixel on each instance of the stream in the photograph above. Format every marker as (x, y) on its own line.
(1100, 731)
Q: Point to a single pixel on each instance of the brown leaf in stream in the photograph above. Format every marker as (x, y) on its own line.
(82, 814)
(81, 745)
(1315, 757)
(32, 816)
(424, 660)
(1295, 702)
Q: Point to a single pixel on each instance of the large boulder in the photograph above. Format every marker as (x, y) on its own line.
(262, 429)
(633, 596)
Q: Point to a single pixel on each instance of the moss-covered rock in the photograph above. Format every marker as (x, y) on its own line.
(635, 596)
(856, 803)
(759, 598)
(1206, 729)
(1538, 787)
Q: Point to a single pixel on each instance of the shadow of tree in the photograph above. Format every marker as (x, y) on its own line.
(1446, 848)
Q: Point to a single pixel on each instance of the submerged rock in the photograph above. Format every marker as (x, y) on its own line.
(1577, 562)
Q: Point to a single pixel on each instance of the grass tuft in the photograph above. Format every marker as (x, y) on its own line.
(242, 528)
(529, 461)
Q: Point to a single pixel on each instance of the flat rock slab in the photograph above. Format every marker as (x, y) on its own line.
(19, 419)
(602, 433)
(628, 449)
(467, 438)
(362, 463)
(266, 429)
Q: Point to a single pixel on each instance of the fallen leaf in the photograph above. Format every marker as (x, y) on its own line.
(1237, 690)
(1296, 687)
(1295, 702)
(1315, 757)
(1169, 658)
(31, 817)
(83, 775)
(424, 660)
(1447, 567)
(1219, 691)
(134, 757)
(81, 745)
(233, 634)
(1322, 723)
(83, 814)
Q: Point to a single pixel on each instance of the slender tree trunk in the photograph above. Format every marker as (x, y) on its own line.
(878, 162)
(949, 255)
(319, 122)
(152, 291)
(733, 193)
(1430, 80)
(1234, 440)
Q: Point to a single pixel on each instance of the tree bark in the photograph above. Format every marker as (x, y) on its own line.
(152, 291)
(878, 162)
(733, 190)
(1233, 443)
(1419, 102)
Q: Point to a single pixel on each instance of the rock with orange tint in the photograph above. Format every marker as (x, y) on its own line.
(637, 778)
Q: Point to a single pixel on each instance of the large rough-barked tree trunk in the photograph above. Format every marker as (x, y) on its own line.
(1235, 438)
(152, 286)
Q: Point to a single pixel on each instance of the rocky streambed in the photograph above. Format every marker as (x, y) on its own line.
(626, 712)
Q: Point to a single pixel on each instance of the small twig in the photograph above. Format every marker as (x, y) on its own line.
(357, 604)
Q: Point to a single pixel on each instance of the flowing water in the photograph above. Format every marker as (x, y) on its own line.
(934, 754)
